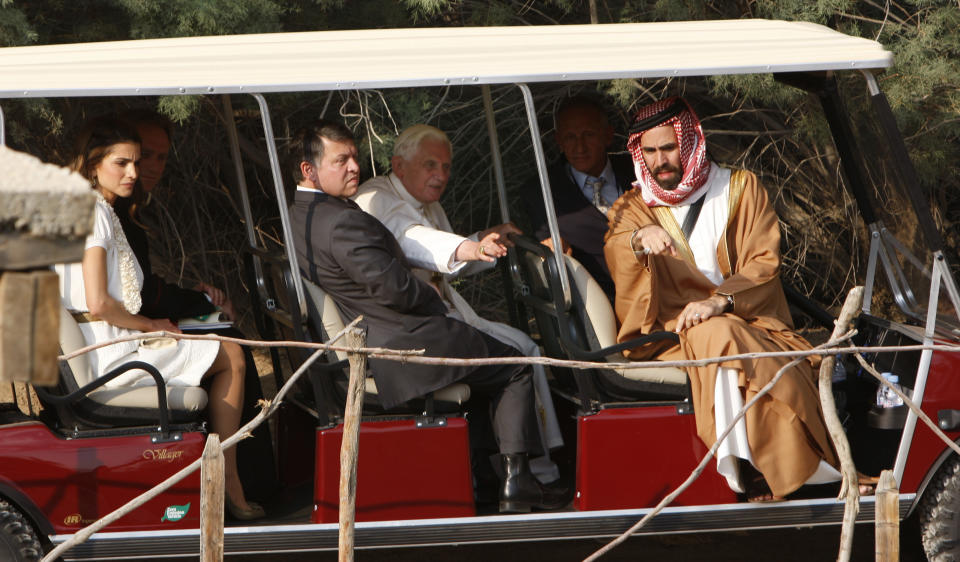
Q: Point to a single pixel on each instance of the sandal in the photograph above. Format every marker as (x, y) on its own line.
(867, 484)
(758, 491)
(252, 512)
(755, 485)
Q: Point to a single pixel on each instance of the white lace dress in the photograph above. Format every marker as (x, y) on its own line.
(181, 362)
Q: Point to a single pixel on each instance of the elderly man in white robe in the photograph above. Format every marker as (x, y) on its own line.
(407, 202)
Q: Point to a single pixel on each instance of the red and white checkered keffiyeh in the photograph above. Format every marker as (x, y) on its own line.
(693, 154)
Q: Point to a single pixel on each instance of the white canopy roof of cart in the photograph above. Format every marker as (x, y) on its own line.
(383, 58)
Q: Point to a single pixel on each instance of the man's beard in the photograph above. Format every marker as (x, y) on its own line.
(670, 184)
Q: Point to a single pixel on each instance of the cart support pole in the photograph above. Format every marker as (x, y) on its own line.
(888, 518)
(350, 447)
(211, 501)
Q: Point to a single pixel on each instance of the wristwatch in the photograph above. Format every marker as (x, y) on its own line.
(729, 298)
(638, 253)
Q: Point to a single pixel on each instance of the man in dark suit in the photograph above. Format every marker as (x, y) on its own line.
(161, 299)
(584, 183)
(359, 263)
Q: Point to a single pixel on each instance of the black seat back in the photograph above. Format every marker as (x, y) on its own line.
(586, 330)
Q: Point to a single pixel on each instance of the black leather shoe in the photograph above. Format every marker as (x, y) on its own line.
(521, 491)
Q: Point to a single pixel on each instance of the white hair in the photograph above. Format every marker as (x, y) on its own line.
(410, 139)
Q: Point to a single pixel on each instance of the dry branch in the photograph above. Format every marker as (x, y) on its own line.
(703, 462)
(416, 355)
(269, 407)
(849, 489)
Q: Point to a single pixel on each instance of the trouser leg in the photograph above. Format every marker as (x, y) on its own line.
(255, 458)
(255, 455)
(509, 389)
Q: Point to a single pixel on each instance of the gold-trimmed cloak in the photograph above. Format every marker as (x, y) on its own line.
(785, 429)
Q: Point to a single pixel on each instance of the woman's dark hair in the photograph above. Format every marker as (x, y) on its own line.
(95, 139)
(94, 142)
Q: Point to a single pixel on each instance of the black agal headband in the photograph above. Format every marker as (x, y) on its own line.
(669, 112)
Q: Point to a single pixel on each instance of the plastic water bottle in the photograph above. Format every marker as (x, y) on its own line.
(839, 371)
(887, 398)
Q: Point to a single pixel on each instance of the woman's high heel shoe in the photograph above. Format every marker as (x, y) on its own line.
(254, 511)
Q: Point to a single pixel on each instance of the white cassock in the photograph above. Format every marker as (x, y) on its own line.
(428, 242)
(728, 398)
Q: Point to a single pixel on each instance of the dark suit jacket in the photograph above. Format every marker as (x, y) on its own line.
(160, 299)
(166, 300)
(359, 263)
(581, 224)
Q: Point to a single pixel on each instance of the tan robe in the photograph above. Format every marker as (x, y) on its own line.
(785, 430)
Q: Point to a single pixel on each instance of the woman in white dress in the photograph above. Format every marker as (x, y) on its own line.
(103, 293)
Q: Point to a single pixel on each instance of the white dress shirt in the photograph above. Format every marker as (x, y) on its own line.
(610, 192)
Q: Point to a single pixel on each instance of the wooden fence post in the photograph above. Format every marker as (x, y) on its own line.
(211, 501)
(29, 326)
(350, 446)
(887, 528)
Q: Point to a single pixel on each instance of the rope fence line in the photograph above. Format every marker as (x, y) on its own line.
(416, 355)
(701, 466)
(850, 306)
(268, 407)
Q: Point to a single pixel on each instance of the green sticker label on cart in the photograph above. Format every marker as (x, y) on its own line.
(175, 512)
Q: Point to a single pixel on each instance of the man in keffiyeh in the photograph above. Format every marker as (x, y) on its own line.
(715, 281)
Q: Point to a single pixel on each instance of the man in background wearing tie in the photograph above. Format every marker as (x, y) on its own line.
(584, 183)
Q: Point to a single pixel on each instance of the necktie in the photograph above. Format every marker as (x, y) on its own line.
(596, 184)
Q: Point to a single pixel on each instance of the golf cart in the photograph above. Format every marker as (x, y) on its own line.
(80, 460)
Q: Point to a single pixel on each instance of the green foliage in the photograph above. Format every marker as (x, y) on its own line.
(37, 121)
(819, 11)
(672, 10)
(756, 87)
(924, 85)
(623, 91)
(14, 28)
(427, 9)
(178, 108)
(185, 18)
(494, 13)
